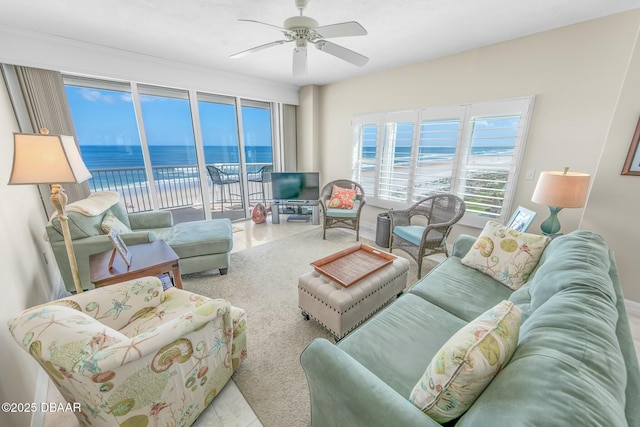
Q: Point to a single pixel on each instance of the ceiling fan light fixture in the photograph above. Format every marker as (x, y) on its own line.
(296, 22)
(303, 30)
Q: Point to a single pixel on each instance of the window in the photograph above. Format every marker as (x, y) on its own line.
(470, 150)
(153, 144)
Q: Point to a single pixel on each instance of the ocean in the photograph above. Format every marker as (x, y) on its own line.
(179, 162)
(130, 156)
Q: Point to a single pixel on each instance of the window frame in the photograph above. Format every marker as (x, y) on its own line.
(465, 114)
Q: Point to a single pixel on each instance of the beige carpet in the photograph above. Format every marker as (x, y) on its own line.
(263, 280)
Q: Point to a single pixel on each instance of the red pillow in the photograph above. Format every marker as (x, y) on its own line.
(342, 198)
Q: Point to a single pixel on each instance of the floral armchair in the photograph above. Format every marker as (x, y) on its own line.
(133, 354)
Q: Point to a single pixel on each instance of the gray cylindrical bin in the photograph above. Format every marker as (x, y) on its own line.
(383, 230)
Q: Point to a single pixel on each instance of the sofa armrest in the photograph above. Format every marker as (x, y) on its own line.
(150, 220)
(462, 245)
(345, 393)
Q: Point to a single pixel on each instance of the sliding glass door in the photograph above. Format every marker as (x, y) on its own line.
(258, 148)
(219, 127)
(201, 155)
(171, 152)
(105, 122)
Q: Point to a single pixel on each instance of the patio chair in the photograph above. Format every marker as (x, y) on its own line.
(341, 216)
(262, 176)
(440, 211)
(223, 179)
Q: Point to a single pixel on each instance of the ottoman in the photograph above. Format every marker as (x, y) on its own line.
(341, 309)
(201, 245)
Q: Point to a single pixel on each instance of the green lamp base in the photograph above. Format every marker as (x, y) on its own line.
(551, 225)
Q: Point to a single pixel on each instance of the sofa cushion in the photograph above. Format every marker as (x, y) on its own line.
(342, 213)
(410, 233)
(568, 356)
(467, 363)
(342, 198)
(111, 222)
(507, 255)
(393, 344)
(460, 290)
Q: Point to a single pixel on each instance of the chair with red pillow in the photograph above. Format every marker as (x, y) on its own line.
(341, 202)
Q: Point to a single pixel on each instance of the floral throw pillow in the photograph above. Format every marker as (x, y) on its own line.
(467, 363)
(110, 221)
(342, 198)
(507, 255)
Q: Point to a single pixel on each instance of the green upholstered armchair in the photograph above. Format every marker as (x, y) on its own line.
(133, 354)
(201, 245)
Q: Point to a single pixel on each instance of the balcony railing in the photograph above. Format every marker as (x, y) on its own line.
(176, 186)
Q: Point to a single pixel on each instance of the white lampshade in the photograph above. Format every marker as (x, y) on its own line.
(46, 159)
(562, 189)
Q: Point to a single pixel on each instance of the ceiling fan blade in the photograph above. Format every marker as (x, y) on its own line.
(299, 61)
(342, 52)
(257, 49)
(344, 29)
(264, 23)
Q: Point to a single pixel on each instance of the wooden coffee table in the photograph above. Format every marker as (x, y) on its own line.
(147, 259)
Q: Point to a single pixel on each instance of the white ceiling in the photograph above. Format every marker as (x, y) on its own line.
(206, 32)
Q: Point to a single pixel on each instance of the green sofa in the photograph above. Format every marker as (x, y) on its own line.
(201, 245)
(575, 364)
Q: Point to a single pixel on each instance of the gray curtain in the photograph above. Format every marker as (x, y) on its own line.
(40, 96)
(289, 137)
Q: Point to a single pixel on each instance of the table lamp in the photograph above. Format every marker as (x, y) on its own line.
(49, 159)
(559, 190)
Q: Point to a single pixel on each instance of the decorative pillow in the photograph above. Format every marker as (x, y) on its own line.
(110, 221)
(467, 363)
(342, 198)
(507, 255)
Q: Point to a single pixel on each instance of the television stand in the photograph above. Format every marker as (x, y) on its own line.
(298, 218)
(298, 210)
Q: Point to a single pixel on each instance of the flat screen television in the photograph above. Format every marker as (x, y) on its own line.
(295, 186)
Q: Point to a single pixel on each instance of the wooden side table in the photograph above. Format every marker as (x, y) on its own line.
(147, 259)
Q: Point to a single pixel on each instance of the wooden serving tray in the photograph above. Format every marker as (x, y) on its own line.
(350, 265)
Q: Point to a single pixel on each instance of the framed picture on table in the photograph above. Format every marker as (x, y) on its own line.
(521, 219)
(119, 247)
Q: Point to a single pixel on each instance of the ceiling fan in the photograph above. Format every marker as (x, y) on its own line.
(304, 30)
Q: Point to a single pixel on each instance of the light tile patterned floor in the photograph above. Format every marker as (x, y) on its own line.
(229, 408)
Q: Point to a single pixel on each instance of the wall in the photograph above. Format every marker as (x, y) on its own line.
(308, 119)
(576, 74)
(68, 56)
(614, 200)
(26, 277)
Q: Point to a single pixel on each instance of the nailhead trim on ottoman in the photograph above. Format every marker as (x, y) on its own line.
(341, 309)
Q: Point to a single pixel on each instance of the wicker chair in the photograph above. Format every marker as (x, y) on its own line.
(441, 211)
(342, 218)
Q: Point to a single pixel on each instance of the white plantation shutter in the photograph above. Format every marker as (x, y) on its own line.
(471, 150)
(366, 131)
(493, 141)
(437, 146)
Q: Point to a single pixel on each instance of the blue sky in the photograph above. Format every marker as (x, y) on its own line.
(104, 117)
